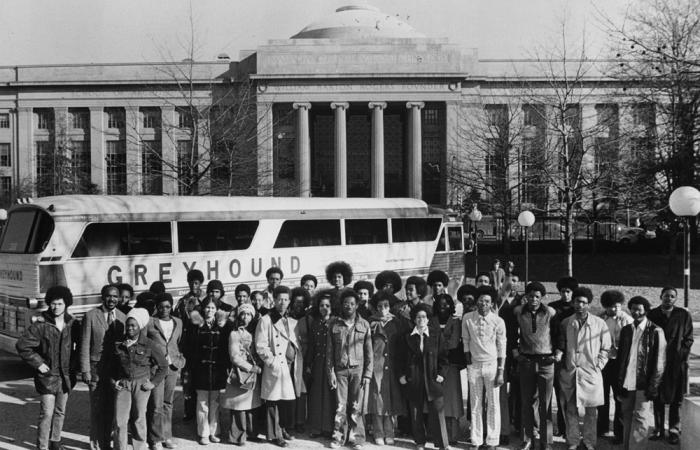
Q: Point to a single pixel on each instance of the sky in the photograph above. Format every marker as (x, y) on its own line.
(114, 31)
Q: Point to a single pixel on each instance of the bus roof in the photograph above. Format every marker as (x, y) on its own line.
(151, 207)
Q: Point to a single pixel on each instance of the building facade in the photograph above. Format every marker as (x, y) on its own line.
(358, 104)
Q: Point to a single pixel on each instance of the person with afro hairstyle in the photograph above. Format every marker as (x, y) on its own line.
(190, 302)
(422, 364)
(466, 295)
(616, 319)
(274, 277)
(642, 355)
(385, 397)
(585, 343)
(539, 347)
(338, 275)
(564, 308)
(416, 289)
(47, 346)
(388, 280)
(365, 291)
(438, 281)
(310, 283)
(157, 287)
(445, 322)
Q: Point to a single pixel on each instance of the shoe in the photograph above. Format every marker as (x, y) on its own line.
(203, 440)
(169, 444)
(214, 439)
(56, 445)
(356, 447)
(673, 438)
(156, 446)
(280, 443)
(334, 444)
(420, 447)
(286, 436)
(572, 447)
(527, 445)
(389, 441)
(504, 440)
(656, 436)
(379, 441)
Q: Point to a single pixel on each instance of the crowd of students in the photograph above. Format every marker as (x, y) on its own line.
(375, 359)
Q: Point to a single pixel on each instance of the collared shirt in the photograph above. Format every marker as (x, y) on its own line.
(615, 325)
(423, 334)
(539, 330)
(484, 336)
(630, 382)
(167, 326)
(107, 315)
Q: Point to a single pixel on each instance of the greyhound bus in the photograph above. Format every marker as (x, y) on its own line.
(86, 241)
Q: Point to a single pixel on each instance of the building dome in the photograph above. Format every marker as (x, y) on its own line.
(357, 22)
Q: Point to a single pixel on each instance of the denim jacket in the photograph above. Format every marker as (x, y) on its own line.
(136, 362)
(344, 351)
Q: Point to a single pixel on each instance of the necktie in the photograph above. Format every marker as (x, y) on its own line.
(110, 318)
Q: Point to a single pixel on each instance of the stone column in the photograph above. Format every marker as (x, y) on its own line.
(26, 152)
(169, 150)
(133, 150)
(377, 165)
(265, 153)
(341, 149)
(98, 170)
(303, 150)
(415, 163)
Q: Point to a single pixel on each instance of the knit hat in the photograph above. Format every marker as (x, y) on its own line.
(246, 307)
(140, 315)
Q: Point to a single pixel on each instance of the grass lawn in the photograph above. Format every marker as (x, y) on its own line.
(632, 273)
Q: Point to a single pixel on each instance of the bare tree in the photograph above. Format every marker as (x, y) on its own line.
(658, 52)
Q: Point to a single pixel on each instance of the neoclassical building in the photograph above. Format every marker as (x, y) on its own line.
(356, 104)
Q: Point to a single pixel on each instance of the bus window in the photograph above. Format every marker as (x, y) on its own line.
(27, 231)
(117, 239)
(454, 236)
(366, 231)
(415, 230)
(212, 236)
(308, 233)
(441, 243)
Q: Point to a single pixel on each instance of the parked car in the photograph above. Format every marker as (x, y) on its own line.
(634, 235)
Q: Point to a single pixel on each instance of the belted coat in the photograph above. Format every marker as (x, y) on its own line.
(585, 350)
(280, 381)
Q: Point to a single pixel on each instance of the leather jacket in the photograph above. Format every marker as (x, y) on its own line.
(650, 359)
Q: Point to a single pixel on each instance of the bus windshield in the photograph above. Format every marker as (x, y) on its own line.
(27, 231)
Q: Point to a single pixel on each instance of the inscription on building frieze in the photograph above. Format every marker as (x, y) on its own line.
(359, 86)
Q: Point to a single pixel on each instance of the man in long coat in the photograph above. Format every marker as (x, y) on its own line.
(586, 346)
(678, 329)
(282, 377)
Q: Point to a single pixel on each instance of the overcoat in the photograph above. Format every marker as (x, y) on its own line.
(240, 349)
(421, 368)
(206, 351)
(384, 389)
(585, 354)
(321, 397)
(678, 330)
(271, 341)
(43, 343)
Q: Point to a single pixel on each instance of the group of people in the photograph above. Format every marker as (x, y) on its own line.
(377, 358)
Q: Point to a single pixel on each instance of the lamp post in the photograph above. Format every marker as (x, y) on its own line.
(685, 203)
(526, 219)
(474, 217)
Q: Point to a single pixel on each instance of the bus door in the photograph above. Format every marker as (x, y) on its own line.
(449, 254)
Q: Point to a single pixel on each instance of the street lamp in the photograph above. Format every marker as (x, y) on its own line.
(526, 219)
(685, 203)
(474, 217)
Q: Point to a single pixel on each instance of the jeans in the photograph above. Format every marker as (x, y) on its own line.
(637, 419)
(349, 423)
(130, 407)
(207, 413)
(242, 426)
(52, 412)
(481, 379)
(160, 409)
(590, 419)
(536, 380)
